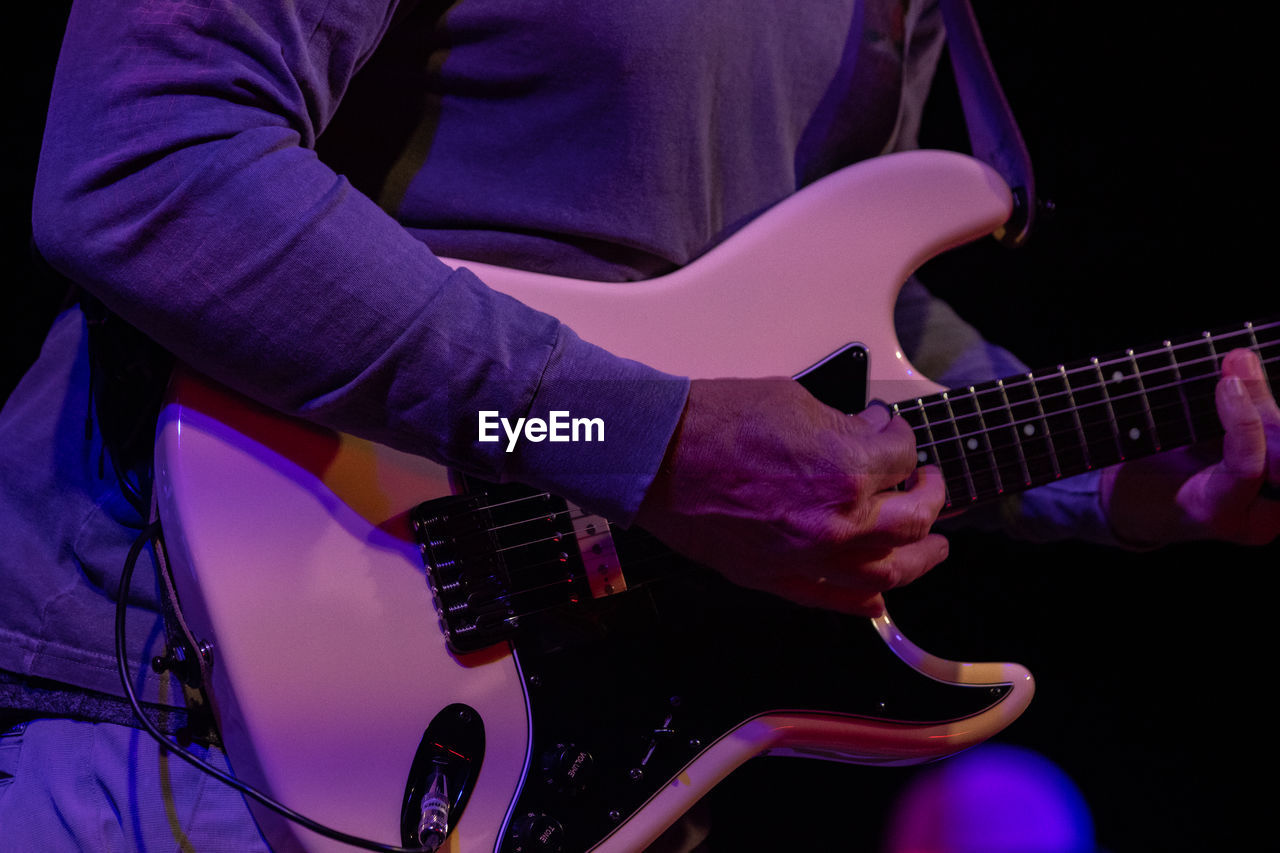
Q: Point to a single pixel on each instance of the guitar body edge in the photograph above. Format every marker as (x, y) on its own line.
(329, 663)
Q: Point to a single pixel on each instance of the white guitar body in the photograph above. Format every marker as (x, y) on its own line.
(289, 555)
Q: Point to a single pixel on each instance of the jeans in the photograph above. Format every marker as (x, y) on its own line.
(71, 787)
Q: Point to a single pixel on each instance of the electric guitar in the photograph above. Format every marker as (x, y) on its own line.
(379, 627)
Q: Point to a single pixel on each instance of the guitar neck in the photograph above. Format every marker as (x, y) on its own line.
(1013, 434)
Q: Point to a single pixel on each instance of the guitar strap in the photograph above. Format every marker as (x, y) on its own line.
(993, 131)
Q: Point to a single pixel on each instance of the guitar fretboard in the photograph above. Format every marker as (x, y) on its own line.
(1024, 431)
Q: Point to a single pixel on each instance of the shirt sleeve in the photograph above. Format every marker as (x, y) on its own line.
(178, 183)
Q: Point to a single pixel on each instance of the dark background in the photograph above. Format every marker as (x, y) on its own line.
(1153, 687)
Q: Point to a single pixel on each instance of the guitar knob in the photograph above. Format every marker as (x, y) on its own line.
(567, 768)
(538, 833)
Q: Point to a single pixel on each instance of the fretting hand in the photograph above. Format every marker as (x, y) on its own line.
(1225, 492)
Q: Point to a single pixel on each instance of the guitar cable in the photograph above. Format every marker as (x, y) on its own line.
(152, 533)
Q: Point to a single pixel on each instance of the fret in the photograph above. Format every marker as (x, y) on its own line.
(929, 451)
(1129, 428)
(1000, 436)
(1253, 340)
(1256, 346)
(1160, 379)
(1070, 455)
(1093, 414)
(924, 436)
(1034, 435)
(1111, 403)
(1213, 350)
(1013, 432)
(953, 443)
(1214, 371)
(971, 431)
(1269, 362)
(1073, 408)
(1198, 366)
(1183, 399)
(1139, 442)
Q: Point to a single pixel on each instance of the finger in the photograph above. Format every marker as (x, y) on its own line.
(887, 447)
(907, 516)
(1225, 490)
(1246, 365)
(869, 570)
(1244, 449)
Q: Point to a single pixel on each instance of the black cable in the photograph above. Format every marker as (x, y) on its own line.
(150, 533)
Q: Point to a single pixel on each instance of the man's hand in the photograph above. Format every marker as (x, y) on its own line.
(781, 493)
(1207, 493)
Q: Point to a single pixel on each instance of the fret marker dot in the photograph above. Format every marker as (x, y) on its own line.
(1117, 376)
(922, 457)
(1135, 434)
(1029, 429)
(972, 444)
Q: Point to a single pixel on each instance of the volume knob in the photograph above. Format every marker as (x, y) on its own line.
(567, 768)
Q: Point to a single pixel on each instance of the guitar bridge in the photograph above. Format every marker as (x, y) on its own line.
(504, 553)
(467, 575)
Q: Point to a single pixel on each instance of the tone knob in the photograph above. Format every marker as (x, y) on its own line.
(537, 832)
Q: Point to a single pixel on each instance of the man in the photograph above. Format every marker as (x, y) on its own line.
(179, 185)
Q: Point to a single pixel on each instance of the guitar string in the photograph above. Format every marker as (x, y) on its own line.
(1053, 397)
(1100, 405)
(1050, 444)
(1031, 379)
(1004, 438)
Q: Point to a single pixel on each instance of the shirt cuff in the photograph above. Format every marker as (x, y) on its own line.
(606, 423)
